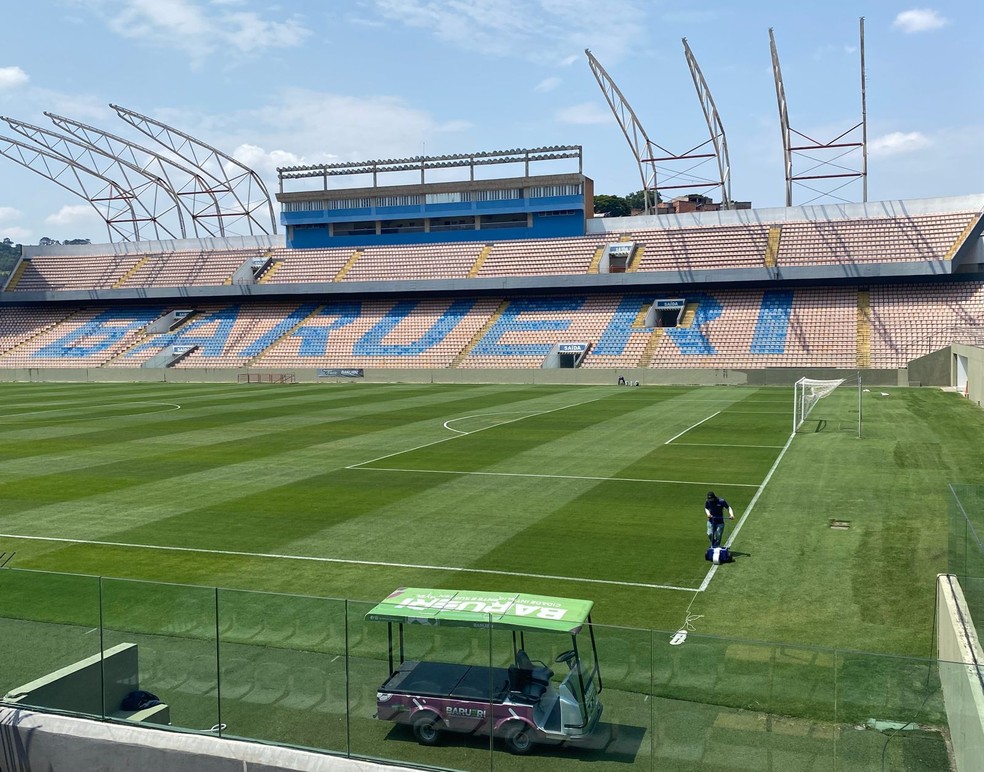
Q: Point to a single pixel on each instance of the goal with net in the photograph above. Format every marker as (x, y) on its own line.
(841, 403)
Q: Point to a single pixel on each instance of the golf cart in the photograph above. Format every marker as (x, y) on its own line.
(521, 702)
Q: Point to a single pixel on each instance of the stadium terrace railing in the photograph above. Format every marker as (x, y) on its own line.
(304, 671)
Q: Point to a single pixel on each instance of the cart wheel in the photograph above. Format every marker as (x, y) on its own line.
(518, 738)
(427, 729)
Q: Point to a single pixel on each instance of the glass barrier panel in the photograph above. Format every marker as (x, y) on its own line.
(282, 669)
(966, 531)
(170, 631)
(891, 714)
(741, 704)
(49, 639)
(585, 697)
(433, 705)
(973, 591)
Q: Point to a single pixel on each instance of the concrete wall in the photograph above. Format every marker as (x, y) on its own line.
(975, 370)
(95, 686)
(584, 377)
(39, 742)
(961, 673)
(932, 370)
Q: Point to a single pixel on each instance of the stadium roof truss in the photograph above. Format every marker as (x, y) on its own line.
(191, 189)
(647, 152)
(132, 186)
(151, 194)
(525, 156)
(833, 155)
(242, 195)
(113, 203)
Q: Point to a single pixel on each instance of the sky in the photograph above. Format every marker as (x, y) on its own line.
(322, 81)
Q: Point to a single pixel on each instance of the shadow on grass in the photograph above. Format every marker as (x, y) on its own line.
(616, 743)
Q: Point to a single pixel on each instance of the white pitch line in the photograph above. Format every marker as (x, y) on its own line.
(691, 427)
(748, 510)
(521, 413)
(722, 445)
(345, 561)
(172, 405)
(476, 431)
(551, 476)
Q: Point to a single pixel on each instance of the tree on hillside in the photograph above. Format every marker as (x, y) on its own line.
(611, 206)
(9, 255)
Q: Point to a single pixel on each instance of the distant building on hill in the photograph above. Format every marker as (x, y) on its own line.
(695, 202)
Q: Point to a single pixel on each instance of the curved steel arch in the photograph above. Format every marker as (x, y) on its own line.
(808, 144)
(56, 167)
(189, 193)
(714, 126)
(62, 145)
(643, 148)
(212, 163)
(639, 142)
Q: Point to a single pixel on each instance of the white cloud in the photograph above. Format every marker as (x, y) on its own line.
(321, 126)
(538, 30)
(584, 113)
(198, 30)
(9, 214)
(73, 214)
(12, 77)
(15, 233)
(919, 20)
(547, 84)
(454, 127)
(898, 142)
(266, 162)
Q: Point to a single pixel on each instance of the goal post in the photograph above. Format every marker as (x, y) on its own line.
(841, 407)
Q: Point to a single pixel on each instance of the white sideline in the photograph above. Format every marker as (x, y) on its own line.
(346, 561)
(748, 510)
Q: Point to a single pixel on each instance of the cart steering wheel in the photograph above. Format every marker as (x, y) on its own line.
(567, 657)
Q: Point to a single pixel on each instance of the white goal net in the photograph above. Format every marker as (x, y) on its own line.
(807, 392)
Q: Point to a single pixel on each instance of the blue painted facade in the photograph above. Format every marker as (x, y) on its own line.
(552, 216)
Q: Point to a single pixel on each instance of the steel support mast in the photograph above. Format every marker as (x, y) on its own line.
(821, 156)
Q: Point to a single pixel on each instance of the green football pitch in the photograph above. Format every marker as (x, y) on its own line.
(352, 490)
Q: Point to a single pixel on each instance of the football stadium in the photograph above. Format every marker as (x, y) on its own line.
(412, 462)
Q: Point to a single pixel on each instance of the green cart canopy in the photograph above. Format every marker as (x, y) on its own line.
(472, 608)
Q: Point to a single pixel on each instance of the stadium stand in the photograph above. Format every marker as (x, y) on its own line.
(896, 239)
(415, 261)
(540, 258)
(359, 308)
(847, 242)
(733, 328)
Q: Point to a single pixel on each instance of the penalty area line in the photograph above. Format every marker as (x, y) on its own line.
(345, 561)
(691, 427)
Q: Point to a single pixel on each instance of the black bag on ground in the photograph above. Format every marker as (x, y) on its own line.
(139, 700)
